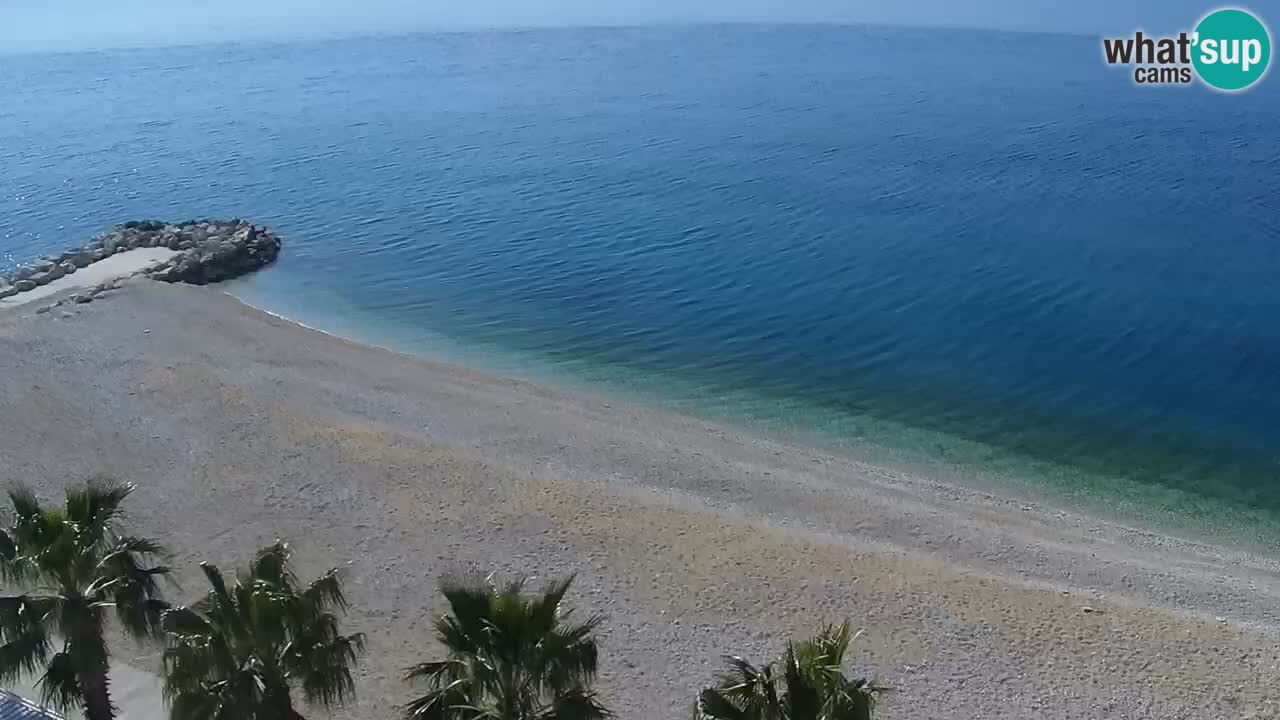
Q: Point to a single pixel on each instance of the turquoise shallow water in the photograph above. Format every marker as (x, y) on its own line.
(914, 244)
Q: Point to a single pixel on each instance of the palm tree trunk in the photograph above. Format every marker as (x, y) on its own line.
(97, 696)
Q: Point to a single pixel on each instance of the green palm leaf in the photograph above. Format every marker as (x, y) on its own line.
(77, 566)
(238, 653)
(808, 684)
(510, 656)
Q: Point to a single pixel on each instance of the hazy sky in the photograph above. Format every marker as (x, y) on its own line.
(73, 24)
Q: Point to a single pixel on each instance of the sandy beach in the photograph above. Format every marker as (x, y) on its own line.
(694, 539)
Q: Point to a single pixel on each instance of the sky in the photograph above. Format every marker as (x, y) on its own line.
(32, 25)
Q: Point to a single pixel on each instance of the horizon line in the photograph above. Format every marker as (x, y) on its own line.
(287, 39)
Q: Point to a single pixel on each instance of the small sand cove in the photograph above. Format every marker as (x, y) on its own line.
(695, 540)
(104, 271)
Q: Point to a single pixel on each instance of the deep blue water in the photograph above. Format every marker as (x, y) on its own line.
(984, 251)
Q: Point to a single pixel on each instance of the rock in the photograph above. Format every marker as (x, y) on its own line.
(206, 251)
(44, 278)
(1090, 610)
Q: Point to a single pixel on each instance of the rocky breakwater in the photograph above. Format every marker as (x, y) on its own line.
(207, 251)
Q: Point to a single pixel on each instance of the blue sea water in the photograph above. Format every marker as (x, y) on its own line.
(987, 253)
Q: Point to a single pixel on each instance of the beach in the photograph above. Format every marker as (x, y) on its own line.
(106, 270)
(695, 540)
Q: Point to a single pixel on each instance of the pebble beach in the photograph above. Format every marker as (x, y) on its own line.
(694, 539)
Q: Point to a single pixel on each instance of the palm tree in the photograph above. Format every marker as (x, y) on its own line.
(510, 657)
(77, 566)
(809, 685)
(239, 651)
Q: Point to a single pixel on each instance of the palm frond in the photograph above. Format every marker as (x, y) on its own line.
(83, 567)
(196, 706)
(569, 657)
(808, 684)
(470, 602)
(714, 705)
(239, 650)
(192, 667)
(60, 685)
(271, 565)
(26, 505)
(326, 592)
(752, 689)
(218, 597)
(438, 673)
(509, 655)
(11, 568)
(25, 644)
(138, 546)
(804, 699)
(131, 587)
(448, 703)
(184, 622)
(96, 506)
(33, 528)
(325, 670)
(545, 610)
(574, 704)
(140, 616)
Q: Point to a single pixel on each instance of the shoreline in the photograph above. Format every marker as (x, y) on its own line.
(1113, 498)
(695, 538)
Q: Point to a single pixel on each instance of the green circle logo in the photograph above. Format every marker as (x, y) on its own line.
(1232, 49)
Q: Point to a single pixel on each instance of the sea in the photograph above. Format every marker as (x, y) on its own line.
(986, 256)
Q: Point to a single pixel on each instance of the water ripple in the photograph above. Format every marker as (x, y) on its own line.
(794, 229)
